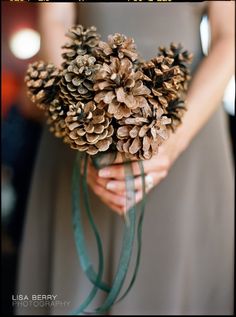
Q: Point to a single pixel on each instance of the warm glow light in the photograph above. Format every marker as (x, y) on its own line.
(205, 34)
(25, 43)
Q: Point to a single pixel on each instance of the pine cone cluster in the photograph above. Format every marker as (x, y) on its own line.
(105, 96)
(42, 81)
(81, 41)
(120, 89)
(89, 128)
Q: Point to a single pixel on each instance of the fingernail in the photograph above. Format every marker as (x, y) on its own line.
(111, 185)
(104, 173)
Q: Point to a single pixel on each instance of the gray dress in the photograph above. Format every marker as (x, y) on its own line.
(187, 255)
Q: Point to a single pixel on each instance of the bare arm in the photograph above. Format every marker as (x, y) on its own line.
(210, 80)
(55, 20)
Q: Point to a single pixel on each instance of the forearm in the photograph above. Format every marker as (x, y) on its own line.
(55, 20)
(207, 89)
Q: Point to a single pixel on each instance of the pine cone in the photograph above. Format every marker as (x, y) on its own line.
(182, 58)
(89, 128)
(118, 45)
(140, 136)
(82, 41)
(42, 81)
(119, 88)
(78, 78)
(163, 78)
(56, 112)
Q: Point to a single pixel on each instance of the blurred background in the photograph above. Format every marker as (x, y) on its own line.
(21, 129)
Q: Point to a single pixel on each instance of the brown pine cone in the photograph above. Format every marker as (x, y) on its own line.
(82, 41)
(118, 45)
(141, 135)
(163, 79)
(56, 112)
(78, 78)
(42, 81)
(89, 129)
(182, 58)
(119, 88)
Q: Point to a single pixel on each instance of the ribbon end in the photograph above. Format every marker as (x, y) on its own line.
(126, 219)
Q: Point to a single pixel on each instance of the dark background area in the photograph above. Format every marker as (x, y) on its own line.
(20, 135)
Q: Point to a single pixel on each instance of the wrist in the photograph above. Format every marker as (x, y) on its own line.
(182, 139)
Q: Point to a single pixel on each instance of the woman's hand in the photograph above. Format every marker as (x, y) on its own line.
(109, 182)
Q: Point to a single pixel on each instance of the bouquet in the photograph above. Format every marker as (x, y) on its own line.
(103, 100)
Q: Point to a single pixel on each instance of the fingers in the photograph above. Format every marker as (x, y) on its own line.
(113, 200)
(150, 179)
(117, 202)
(157, 164)
(118, 171)
(120, 185)
(116, 199)
(112, 189)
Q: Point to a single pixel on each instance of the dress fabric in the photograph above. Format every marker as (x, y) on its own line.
(187, 254)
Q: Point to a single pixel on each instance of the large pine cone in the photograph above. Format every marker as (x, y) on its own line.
(42, 81)
(120, 89)
(118, 45)
(78, 79)
(82, 41)
(89, 128)
(181, 58)
(141, 135)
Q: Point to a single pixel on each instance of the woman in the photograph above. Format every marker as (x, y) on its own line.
(187, 255)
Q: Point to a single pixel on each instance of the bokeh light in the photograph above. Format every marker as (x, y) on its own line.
(25, 43)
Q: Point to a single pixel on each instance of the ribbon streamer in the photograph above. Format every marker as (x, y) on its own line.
(128, 235)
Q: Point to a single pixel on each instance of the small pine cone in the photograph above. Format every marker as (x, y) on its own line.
(182, 58)
(120, 88)
(42, 81)
(118, 45)
(82, 41)
(89, 129)
(163, 78)
(56, 112)
(140, 136)
(78, 79)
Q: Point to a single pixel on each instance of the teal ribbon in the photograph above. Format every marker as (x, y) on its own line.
(128, 235)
